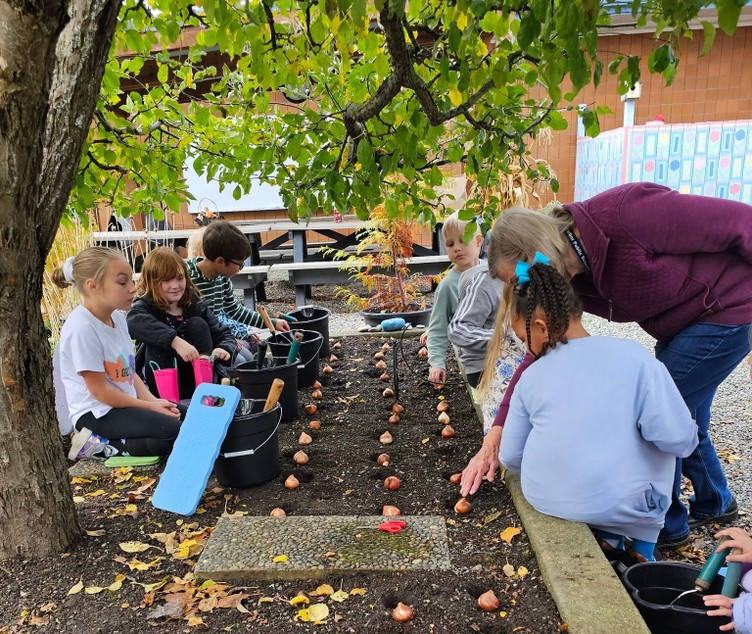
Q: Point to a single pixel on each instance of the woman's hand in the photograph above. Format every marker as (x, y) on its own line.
(221, 354)
(737, 538)
(437, 377)
(725, 608)
(483, 465)
(162, 406)
(184, 350)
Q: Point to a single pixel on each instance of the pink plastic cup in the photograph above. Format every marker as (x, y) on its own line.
(203, 371)
(167, 384)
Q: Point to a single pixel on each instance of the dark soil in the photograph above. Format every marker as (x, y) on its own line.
(342, 477)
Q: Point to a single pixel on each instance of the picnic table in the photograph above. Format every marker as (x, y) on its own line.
(306, 259)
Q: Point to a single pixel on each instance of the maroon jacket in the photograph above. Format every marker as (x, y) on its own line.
(665, 260)
(662, 259)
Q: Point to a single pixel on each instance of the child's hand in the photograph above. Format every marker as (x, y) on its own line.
(282, 325)
(725, 608)
(221, 354)
(423, 338)
(184, 350)
(737, 538)
(437, 377)
(162, 406)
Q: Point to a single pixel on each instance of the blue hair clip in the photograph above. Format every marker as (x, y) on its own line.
(522, 269)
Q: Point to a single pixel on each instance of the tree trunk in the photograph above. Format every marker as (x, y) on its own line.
(52, 56)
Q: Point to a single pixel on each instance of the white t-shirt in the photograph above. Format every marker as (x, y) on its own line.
(87, 344)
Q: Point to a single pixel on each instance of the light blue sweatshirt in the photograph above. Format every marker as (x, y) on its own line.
(595, 427)
(444, 305)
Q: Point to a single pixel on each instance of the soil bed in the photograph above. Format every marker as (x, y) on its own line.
(342, 478)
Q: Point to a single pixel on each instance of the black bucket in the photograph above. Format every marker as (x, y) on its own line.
(250, 451)
(310, 347)
(255, 383)
(654, 585)
(314, 318)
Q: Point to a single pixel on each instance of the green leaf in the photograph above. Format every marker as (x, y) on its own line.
(728, 15)
(530, 29)
(709, 33)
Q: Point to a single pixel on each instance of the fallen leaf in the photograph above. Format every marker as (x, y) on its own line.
(195, 621)
(169, 610)
(300, 599)
(425, 440)
(280, 559)
(77, 499)
(233, 601)
(317, 613)
(117, 584)
(508, 570)
(266, 600)
(93, 590)
(357, 592)
(323, 590)
(522, 572)
(509, 533)
(78, 480)
(339, 596)
(491, 517)
(134, 547)
(96, 493)
(77, 588)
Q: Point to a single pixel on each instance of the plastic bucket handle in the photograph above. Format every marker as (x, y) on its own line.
(250, 452)
(315, 356)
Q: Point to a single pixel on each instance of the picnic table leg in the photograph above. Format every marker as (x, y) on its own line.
(437, 242)
(249, 297)
(299, 254)
(300, 294)
(255, 240)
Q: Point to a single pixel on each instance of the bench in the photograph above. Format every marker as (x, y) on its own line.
(305, 274)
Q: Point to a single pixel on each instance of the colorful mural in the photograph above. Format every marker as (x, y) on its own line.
(709, 159)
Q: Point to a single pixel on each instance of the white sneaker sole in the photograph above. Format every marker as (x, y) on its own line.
(77, 443)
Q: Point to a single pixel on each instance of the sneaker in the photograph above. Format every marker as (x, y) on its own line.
(87, 444)
(673, 544)
(728, 516)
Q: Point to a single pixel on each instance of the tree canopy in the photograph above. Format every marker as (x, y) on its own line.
(382, 95)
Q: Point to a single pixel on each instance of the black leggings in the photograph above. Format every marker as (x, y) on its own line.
(135, 430)
(198, 335)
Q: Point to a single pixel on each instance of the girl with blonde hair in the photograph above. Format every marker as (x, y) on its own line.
(111, 408)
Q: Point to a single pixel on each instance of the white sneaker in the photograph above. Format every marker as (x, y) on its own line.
(87, 444)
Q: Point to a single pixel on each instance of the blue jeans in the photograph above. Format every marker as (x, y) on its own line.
(699, 359)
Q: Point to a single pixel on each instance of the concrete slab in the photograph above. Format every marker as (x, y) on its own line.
(245, 548)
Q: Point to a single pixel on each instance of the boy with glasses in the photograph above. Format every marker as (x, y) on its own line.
(225, 249)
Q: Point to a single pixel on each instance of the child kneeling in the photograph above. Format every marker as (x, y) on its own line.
(111, 408)
(595, 424)
(173, 325)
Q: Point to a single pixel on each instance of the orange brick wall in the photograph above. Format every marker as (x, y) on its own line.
(717, 87)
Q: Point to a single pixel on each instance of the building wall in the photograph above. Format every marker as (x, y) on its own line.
(717, 87)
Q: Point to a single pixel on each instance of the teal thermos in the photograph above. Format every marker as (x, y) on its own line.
(711, 567)
(297, 337)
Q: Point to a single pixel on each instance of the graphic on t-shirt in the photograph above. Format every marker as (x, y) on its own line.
(122, 370)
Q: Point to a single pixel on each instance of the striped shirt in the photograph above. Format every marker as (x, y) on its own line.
(220, 297)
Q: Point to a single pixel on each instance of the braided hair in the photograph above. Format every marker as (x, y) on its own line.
(549, 291)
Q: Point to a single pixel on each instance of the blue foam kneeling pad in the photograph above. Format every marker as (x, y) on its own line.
(196, 448)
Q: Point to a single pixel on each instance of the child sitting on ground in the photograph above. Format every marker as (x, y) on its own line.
(111, 408)
(173, 324)
(225, 248)
(595, 423)
(740, 610)
(463, 257)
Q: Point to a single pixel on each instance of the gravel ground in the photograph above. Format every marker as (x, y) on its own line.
(731, 427)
